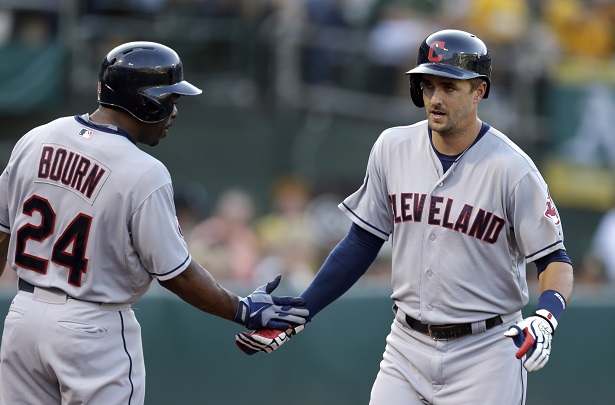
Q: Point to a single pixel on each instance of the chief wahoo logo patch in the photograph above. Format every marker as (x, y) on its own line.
(551, 211)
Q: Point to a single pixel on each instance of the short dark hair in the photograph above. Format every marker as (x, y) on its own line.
(475, 82)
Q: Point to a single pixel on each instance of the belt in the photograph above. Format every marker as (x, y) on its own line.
(58, 296)
(25, 286)
(443, 332)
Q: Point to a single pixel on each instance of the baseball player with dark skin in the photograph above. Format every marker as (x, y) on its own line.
(87, 221)
(466, 210)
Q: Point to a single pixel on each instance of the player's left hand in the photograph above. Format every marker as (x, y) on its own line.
(533, 338)
(266, 340)
(261, 310)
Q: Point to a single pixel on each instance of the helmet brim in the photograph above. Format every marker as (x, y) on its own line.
(440, 69)
(182, 88)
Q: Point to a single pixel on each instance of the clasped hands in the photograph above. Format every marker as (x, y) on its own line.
(274, 319)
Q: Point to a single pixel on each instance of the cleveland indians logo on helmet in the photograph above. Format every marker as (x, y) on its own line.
(551, 211)
(433, 56)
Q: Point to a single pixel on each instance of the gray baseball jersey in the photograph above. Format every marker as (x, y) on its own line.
(89, 213)
(92, 221)
(460, 239)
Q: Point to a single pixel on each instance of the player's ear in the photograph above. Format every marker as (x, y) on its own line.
(480, 91)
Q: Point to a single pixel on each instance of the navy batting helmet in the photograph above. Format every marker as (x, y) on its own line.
(450, 53)
(140, 77)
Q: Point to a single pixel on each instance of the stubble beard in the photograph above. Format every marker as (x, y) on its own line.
(446, 131)
(452, 127)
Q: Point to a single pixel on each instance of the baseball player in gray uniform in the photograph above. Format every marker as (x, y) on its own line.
(466, 210)
(87, 221)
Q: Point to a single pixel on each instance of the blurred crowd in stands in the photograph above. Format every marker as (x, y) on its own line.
(547, 30)
(292, 237)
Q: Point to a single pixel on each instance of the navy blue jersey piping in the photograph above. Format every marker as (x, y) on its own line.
(366, 223)
(104, 128)
(169, 272)
(543, 249)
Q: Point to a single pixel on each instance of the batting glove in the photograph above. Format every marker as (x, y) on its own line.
(266, 340)
(261, 310)
(533, 338)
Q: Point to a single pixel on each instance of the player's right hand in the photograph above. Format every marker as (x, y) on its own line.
(261, 310)
(533, 337)
(266, 340)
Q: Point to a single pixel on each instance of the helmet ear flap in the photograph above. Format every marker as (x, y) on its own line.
(416, 92)
(155, 106)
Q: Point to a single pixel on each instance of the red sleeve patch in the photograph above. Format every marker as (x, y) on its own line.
(551, 212)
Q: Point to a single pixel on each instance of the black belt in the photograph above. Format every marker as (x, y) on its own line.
(25, 286)
(443, 332)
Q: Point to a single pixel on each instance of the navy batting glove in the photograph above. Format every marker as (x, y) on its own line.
(261, 310)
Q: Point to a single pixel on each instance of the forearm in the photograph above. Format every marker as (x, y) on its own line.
(558, 276)
(555, 288)
(196, 286)
(259, 310)
(331, 282)
(4, 248)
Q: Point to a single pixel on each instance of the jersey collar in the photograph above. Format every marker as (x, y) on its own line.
(448, 160)
(110, 129)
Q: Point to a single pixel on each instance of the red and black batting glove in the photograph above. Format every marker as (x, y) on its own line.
(265, 340)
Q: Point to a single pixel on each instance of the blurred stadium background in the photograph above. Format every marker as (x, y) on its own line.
(295, 94)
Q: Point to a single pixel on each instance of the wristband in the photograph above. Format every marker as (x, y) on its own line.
(553, 302)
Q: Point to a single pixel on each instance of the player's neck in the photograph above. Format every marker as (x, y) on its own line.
(108, 116)
(454, 143)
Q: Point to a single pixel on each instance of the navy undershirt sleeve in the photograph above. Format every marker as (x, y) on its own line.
(346, 263)
(557, 256)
